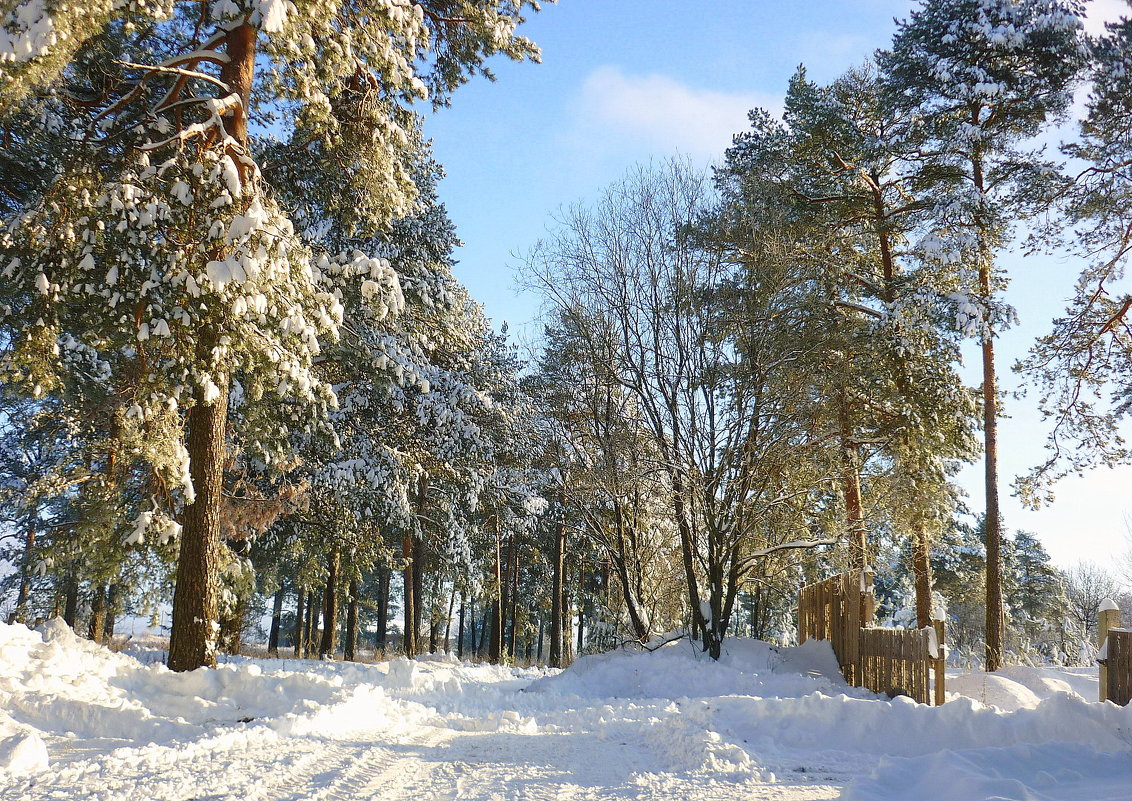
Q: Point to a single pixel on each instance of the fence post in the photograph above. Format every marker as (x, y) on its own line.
(940, 662)
(1107, 618)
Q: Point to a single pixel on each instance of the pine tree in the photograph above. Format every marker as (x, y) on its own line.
(985, 76)
(159, 262)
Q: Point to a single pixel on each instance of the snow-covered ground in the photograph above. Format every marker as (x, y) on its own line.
(78, 722)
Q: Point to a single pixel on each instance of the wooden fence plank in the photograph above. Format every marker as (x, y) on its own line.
(888, 661)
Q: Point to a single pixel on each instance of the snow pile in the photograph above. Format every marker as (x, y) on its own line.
(681, 670)
(54, 685)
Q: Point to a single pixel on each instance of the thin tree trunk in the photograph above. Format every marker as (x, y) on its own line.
(448, 620)
(300, 623)
(409, 639)
(329, 643)
(557, 593)
(314, 604)
(995, 615)
(351, 646)
(687, 553)
(495, 651)
(97, 613)
(24, 592)
(384, 580)
(460, 629)
(71, 600)
(276, 622)
(851, 487)
(513, 595)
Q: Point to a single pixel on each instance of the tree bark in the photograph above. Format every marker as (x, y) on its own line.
(276, 622)
(995, 615)
(351, 646)
(409, 638)
(448, 620)
(71, 599)
(329, 644)
(192, 643)
(384, 580)
(460, 629)
(511, 608)
(557, 593)
(922, 574)
(300, 623)
(495, 649)
(314, 604)
(97, 613)
(19, 613)
(111, 617)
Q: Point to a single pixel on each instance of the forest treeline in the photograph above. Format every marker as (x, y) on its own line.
(239, 377)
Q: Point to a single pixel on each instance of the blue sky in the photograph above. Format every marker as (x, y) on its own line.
(623, 81)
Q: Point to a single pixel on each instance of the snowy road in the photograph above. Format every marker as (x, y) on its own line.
(81, 724)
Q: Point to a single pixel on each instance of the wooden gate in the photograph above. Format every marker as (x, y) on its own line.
(889, 661)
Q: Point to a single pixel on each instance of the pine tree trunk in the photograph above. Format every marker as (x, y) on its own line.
(922, 573)
(329, 643)
(385, 579)
(851, 488)
(71, 599)
(448, 619)
(314, 604)
(111, 617)
(557, 593)
(300, 624)
(192, 643)
(418, 591)
(351, 647)
(460, 629)
(995, 616)
(510, 605)
(276, 622)
(409, 639)
(495, 650)
(97, 613)
(19, 613)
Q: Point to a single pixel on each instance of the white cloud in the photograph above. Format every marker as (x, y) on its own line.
(661, 115)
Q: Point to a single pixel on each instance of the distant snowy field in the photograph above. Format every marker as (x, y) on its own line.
(80, 723)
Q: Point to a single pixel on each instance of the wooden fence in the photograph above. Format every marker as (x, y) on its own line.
(1115, 656)
(890, 661)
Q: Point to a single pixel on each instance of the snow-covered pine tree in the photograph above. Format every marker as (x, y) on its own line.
(892, 351)
(985, 76)
(158, 261)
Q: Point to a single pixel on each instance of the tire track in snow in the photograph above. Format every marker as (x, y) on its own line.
(392, 768)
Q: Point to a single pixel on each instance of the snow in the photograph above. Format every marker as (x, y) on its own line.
(79, 722)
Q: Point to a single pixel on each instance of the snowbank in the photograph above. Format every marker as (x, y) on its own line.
(72, 714)
(56, 685)
(681, 670)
